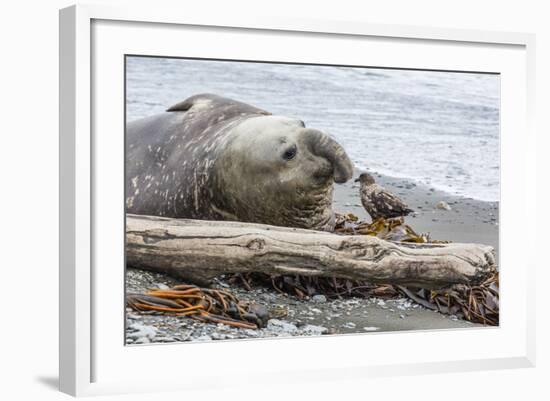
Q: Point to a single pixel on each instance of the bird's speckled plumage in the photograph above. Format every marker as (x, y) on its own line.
(378, 201)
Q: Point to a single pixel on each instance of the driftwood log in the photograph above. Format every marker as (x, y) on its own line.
(198, 250)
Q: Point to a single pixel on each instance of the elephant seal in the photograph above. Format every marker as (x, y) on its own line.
(214, 158)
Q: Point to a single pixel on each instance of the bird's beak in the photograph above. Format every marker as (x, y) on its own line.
(356, 180)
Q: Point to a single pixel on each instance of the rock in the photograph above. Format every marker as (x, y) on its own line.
(162, 286)
(442, 205)
(313, 330)
(142, 340)
(267, 297)
(319, 299)
(140, 331)
(371, 328)
(261, 313)
(281, 326)
(349, 325)
(204, 337)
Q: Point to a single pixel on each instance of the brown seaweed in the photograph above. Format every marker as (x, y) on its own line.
(202, 304)
(478, 304)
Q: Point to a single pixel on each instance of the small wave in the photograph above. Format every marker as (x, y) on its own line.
(487, 193)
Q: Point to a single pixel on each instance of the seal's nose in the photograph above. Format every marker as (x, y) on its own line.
(320, 144)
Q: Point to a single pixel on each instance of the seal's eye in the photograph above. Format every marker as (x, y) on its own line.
(290, 153)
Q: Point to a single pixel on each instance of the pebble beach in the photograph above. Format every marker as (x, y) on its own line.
(443, 216)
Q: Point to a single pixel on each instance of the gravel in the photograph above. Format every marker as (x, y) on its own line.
(290, 316)
(319, 299)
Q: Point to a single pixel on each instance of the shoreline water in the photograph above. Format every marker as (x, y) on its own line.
(429, 126)
(448, 188)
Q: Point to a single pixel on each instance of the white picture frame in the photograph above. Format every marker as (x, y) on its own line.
(95, 361)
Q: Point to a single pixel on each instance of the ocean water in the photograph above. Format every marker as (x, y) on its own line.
(436, 128)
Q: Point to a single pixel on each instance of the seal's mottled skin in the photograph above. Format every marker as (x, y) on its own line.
(214, 158)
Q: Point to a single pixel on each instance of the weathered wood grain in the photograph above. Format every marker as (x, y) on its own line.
(199, 250)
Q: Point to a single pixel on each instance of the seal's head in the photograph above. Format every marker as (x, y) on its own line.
(274, 170)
